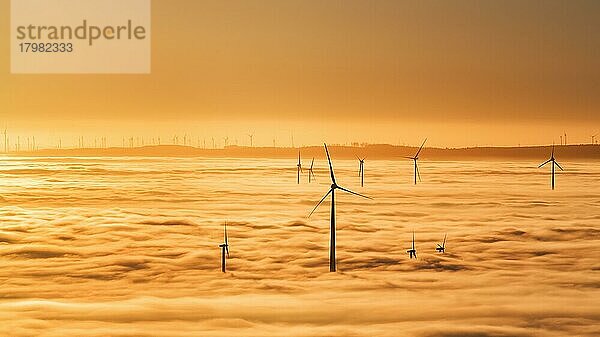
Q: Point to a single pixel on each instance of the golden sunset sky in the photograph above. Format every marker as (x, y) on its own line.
(459, 72)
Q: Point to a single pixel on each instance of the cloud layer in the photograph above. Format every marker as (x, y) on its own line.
(129, 247)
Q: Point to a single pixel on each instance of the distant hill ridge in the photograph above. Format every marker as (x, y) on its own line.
(377, 151)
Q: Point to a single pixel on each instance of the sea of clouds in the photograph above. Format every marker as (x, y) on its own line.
(129, 247)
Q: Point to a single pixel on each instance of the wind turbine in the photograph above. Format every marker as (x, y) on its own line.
(361, 170)
(412, 252)
(310, 171)
(224, 250)
(251, 139)
(553, 161)
(594, 136)
(442, 248)
(334, 186)
(299, 166)
(415, 158)
(6, 140)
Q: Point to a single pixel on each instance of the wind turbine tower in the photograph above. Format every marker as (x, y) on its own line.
(361, 171)
(332, 230)
(554, 162)
(224, 250)
(415, 159)
(299, 167)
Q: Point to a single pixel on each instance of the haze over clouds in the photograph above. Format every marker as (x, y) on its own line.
(129, 247)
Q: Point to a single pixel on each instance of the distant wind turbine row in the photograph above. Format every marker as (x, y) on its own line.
(415, 159)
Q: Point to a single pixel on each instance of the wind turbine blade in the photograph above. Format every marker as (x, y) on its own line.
(557, 164)
(226, 233)
(360, 195)
(312, 163)
(330, 166)
(418, 173)
(411, 158)
(546, 162)
(227, 250)
(444, 243)
(320, 202)
(413, 243)
(421, 148)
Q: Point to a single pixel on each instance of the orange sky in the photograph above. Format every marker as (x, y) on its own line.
(459, 72)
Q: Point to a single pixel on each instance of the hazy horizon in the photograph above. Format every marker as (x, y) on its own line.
(32, 143)
(584, 152)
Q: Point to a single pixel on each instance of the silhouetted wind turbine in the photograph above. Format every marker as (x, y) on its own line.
(311, 173)
(224, 250)
(6, 140)
(251, 139)
(299, 166)
(553, 161)
(415, 158)
(361, 170)
(334, 186)
(594, 136)
(442, 248)
(412, 252)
